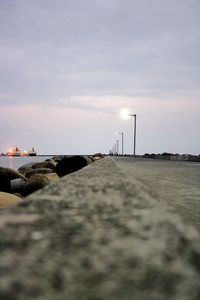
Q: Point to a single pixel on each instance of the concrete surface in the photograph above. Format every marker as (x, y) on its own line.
(175, 183)
(97, 234)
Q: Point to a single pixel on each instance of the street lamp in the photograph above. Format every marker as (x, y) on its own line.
(116, 146)
(122, 134)
(134, 133)
(125, 114)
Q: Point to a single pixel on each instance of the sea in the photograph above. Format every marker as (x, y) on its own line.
(15, 162)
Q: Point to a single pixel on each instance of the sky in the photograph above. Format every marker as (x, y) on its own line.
(67, 67)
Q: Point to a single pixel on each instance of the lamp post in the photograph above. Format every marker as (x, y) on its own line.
(134, 133)
(116, 146)
(122, 134)
(124, 113)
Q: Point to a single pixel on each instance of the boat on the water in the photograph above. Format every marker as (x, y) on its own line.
(32, 152)
(14, 152)
(17, 152)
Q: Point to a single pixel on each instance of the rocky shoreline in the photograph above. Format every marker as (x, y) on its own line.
(15, 185)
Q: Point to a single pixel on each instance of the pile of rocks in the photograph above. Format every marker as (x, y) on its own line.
(171, 156)
(15, 185)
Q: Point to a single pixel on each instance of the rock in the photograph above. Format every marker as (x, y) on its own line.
(88, 159)
(12, 174)
(25, 171)
(43, 167)
(98, 155)
(70, 164)
(57, 158)
(32, 172)
(25, 167)
(34, 183)
(52, 161)
(18, 195)
(44, 164)
(96, 158)
(52, 177)
(7, 200)
(91, 157)
(4, 182)
(17, 185)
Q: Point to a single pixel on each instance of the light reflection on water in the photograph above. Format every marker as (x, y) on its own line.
(15, 162)
(10, 162)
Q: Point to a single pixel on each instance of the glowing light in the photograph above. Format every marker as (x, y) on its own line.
(124, 113)
(24, 153)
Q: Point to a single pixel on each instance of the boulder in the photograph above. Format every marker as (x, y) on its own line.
(25, 171)
(96, 158)
(31, 172)
(18, 195)
(12, 174)
(52, 161)
(57, 158)
(70, 164)
(7, 200)
(52, 177)
(34, 183)
(4, 182)
(98, 155)
(44, 164)
(91, 157)
(25, 167)
(88, 159)
(17, 185)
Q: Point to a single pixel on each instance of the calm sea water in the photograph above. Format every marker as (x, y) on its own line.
(15, 162)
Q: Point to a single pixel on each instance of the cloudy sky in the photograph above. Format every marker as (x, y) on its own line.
(67, 67)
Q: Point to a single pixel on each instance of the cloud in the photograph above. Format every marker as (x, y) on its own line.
(144, 106)
(135, 48)
(107, 103)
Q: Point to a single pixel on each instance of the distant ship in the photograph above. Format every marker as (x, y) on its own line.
(14, 152)
(32, 152)
(17, 152)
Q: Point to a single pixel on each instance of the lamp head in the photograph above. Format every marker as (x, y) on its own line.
(124, 113)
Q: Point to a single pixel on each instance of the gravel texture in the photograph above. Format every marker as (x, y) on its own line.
(97, 234)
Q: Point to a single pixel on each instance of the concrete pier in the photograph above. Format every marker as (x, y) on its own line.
(97, 234)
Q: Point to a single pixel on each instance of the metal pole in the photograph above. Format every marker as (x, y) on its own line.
(134, 135)
(122, 134)
(122, 143)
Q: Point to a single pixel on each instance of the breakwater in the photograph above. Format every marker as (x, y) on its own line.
(97, 234)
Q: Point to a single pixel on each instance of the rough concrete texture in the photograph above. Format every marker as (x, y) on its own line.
(97, 234)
